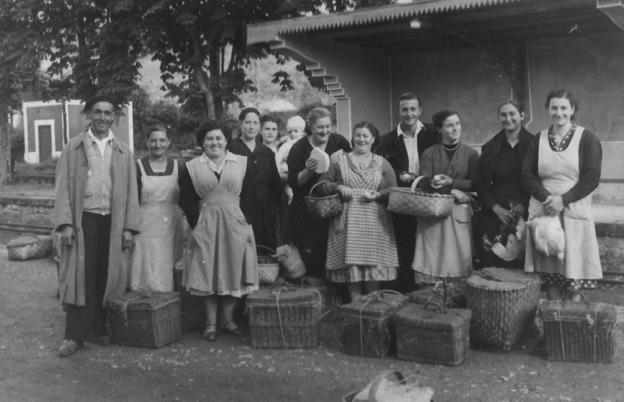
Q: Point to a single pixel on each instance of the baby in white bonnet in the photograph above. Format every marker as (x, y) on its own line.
(295, 128)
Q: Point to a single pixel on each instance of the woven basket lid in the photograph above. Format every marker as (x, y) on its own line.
(143, 301)
(569, 311)
(501, 279)
(428, 317)
(374, 306)
(284, 296)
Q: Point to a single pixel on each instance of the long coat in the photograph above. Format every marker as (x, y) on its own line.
(71, 181)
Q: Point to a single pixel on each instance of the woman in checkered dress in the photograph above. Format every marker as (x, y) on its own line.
(361, 248)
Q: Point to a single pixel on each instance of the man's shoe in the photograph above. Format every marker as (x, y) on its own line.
(68, 348)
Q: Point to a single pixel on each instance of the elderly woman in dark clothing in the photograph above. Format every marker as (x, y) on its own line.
(262, 188)
(503, 198)
(308, 233)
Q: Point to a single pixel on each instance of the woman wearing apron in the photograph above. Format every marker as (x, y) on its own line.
(361, 248)
(560, 171)
(221, 264)
(156, 248)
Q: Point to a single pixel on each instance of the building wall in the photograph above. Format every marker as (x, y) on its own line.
(467, 81)
(362, 75)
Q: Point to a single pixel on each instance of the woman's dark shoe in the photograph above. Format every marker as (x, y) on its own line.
(68, 348)
(210, 335)
(233, 329)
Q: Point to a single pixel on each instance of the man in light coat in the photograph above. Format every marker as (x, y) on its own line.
(96, 219)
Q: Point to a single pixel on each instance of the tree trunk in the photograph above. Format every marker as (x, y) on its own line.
(202, 81)
(5, 145)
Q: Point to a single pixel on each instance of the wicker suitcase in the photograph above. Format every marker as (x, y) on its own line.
(579, 332)
(455, 295)
(284, 318)
(331, 300)
(503, 304)
(431, 334)
(367, 330)
(145, 320)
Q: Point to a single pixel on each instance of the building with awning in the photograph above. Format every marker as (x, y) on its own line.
(468, 55)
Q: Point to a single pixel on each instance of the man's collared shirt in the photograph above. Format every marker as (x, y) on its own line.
(411, 146)
(99, 178)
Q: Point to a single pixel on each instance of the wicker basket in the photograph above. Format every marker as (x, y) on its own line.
(579, 332)
(268, 266)
(455, 295)
(284, 318)
(430, 333)
(405, 201)
(145, 320)
(29, 247)
(289, 257)
(367, 330)
(323, 207)
(503, 304)
(330, 298)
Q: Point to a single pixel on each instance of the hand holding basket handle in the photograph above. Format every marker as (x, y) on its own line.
(323, 207)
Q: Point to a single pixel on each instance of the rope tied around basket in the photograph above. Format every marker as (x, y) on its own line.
(291, 288)
(377, 296)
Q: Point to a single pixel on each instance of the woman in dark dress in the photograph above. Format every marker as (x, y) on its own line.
(261, 188)
(308, 233)
(503, 198)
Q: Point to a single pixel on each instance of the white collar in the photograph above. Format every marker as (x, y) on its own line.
(109, 137)
(228, 157)
(419, 127)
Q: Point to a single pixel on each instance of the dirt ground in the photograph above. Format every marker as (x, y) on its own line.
(31, 328)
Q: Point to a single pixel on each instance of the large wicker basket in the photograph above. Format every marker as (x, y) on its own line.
(323, 207)
(366, 326)
(503, 304)
(145, 320)
(579, 332)
(284, 318)
(417, 203)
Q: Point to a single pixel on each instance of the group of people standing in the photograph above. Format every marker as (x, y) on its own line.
(250, 191)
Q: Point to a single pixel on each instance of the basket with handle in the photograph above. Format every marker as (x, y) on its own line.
(323, 207)
(268, 267)
(417, 203)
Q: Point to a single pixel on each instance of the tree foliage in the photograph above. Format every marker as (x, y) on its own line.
(20, 55)
(93, 46)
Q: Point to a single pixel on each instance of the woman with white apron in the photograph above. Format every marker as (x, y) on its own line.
(560, 171)
(156, 249)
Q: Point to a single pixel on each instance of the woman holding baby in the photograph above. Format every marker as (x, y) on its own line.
(560, 171)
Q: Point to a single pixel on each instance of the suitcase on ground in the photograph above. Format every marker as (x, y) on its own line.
(430, 333)
(145, 320)
(367, 330)
(284, 317)
(578, 331)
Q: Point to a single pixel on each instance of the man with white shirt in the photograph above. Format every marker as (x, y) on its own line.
(402, 147)
(96, 218)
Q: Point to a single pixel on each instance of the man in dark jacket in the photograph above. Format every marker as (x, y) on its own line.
(402, 147)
